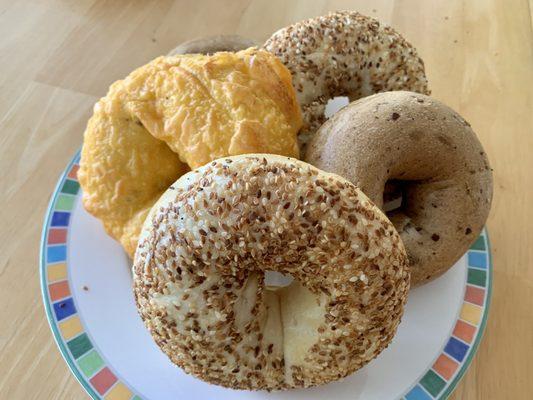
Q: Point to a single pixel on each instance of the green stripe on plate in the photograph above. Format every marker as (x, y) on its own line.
(90, 363)
(64, 203)
(477, 277)
(432, 383)
(70, 187)
(79, 345)
(479, 244)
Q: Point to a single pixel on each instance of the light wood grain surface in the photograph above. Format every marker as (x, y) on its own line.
(58, 57)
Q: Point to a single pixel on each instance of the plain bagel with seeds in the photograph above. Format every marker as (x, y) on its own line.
(432, 153)
(348, 54)
(200, 265)
(213, 44)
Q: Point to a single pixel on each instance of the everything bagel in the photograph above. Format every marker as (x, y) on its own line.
(200, 265)
(348, 54)
(431, 153)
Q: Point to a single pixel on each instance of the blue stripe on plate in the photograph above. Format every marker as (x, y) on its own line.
(417, 393)
(478, 260)
(60, 218)
(64, 308)
(56, 254)
(456, 349)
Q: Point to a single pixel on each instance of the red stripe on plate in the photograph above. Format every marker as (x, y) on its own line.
(464, 331)
(445, 366)
(73, 173)
(57, 236)
(103, 380)
(58, 290)
(475, 295)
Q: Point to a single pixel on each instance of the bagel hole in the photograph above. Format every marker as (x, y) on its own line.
(393, 195)
(335, 104)
(275, 279)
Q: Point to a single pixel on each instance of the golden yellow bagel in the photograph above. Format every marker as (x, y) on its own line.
(123, 169)
(174, 111)
(207, 107)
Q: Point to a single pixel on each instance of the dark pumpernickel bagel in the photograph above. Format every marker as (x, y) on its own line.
(213, 44)
(434, 156)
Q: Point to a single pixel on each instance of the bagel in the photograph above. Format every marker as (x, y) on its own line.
(432, 153)
(123, 169)
(200, 266)
(213, 44)
(207, 107)
(175, 113)
(347, 54)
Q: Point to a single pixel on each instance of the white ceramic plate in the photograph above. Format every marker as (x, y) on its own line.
(86, 286)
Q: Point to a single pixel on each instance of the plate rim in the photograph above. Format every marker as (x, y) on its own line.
(482, 326)
(84, 382)
(58, 339)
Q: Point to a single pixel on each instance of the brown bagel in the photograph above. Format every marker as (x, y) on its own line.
(434, 156)
(348, 54)
(206, 246)
(213, 44)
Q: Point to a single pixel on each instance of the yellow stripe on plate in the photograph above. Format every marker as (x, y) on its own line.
(71, 327)
(57, 272)
(471, 313)
(119, 392)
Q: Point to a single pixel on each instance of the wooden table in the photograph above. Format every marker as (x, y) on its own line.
(58, 57)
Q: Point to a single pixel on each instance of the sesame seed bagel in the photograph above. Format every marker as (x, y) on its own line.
(199, 274)
(431, 154)
(348, 54)
(213, 44)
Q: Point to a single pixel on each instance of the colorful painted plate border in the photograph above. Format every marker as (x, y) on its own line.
(86, 363)
(439, 381)
(102, 382)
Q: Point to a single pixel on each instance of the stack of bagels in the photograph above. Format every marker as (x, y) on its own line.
(216, 164)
